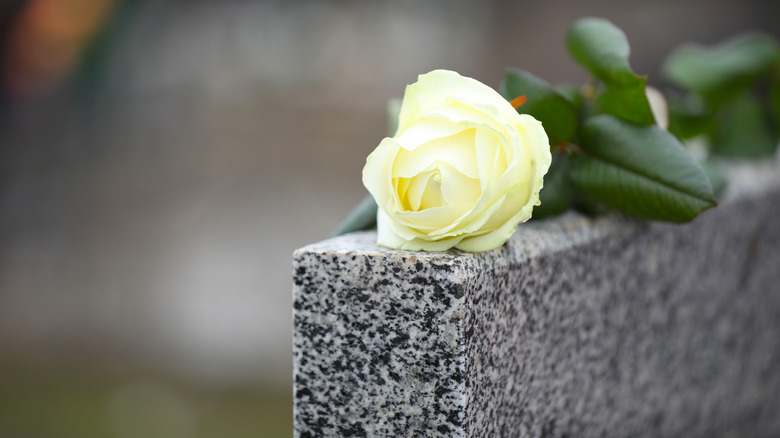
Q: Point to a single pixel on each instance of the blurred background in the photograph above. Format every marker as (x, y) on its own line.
(161, 160)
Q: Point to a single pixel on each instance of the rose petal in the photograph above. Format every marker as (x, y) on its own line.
(487, 147)
(431, 218)
(456, 150)
(436, 88)
(457, 187)
(387, 237)
(401, 201)
(496, 238)
(385, 231)
(466, 116)
(534, 136)
(377, 171)
(426, 129)
(425, 190)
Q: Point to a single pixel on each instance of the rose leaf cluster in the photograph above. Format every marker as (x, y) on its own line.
(467, 164)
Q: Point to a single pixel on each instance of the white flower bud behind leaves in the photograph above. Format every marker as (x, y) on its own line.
(658, 106)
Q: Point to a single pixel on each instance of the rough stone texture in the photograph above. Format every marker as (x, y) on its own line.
(576, 327)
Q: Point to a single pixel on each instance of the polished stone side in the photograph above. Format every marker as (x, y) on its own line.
(576, 327)
(378, 341)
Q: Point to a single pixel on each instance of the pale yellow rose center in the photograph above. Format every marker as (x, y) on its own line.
(422, 191)
(441, 172)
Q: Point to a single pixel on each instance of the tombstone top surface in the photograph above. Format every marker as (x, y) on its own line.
(541, 236)
(748, 178)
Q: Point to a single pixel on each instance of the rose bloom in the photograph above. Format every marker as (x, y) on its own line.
(463, 169)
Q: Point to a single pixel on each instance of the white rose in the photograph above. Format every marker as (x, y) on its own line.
(463, 169)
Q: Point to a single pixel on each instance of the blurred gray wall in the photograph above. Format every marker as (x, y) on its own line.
(149, 211)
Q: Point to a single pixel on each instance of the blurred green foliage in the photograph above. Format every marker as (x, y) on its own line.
(731, 95)
(607, 149)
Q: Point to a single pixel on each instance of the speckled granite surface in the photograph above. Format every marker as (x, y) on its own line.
(574, 328)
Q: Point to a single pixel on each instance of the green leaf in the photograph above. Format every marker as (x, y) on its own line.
(644, 171)
(362, 217)
(717, 177)
(743, 129)
(722, 71)
(572, 93)
(688, 115)
(557, 194)
(627, 101)
(603, 49)
(544, 103)
(588, 207)
(774, 100)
